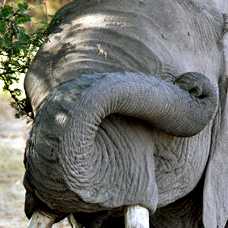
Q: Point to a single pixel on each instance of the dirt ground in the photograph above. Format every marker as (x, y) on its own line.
(13, 133)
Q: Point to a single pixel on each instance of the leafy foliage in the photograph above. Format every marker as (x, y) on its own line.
(17, 49)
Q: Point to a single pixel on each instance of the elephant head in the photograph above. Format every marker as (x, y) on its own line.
(129, 99)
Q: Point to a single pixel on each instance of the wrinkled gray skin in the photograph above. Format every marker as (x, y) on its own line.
(119, 121)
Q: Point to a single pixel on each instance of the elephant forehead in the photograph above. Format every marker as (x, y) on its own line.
(153, 37)
(175, 34)
(180, 163)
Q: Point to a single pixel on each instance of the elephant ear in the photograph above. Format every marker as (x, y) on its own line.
(215, 197)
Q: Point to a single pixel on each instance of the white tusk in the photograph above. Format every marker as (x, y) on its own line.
(136, 217)
(41, 220)
(73, 222)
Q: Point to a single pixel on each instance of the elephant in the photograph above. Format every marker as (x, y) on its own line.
(129, 99)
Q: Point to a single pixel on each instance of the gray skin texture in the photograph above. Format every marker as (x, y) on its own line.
(124, 114)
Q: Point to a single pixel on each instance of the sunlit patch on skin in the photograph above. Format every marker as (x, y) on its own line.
(92, 20)
(61, 118)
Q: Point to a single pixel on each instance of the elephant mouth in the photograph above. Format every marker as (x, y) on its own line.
(75, 157)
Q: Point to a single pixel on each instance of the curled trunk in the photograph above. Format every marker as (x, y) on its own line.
(77, 161)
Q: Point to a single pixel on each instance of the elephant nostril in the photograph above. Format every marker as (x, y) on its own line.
(195, 84)
(202, 96)
(193, 91)
(197, 92)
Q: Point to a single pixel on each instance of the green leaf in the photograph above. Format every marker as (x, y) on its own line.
(17, 92)
(23, 6)
(2, 27)
(6, 11)
(23, 19)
